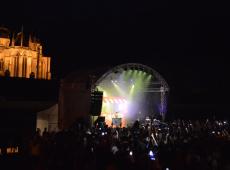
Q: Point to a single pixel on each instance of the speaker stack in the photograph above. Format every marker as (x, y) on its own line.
(96, 103)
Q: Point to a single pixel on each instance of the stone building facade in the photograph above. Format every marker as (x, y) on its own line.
(20, 60)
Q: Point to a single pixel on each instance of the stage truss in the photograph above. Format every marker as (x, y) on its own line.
(156, 87)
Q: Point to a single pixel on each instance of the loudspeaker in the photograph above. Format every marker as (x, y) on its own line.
(96, 103)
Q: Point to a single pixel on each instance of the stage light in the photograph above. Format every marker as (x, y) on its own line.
(104, 93)
(131, 92)
(118, 89)
(139, 72)
(127, 89)
(149, 77)
(129, 74)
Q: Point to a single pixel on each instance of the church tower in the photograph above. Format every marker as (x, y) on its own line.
(4, 37)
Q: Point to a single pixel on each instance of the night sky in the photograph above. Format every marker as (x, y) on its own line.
(187, 42)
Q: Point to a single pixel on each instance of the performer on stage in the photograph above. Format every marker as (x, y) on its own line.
(116, 120)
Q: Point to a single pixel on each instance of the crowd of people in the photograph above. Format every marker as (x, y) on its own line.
(175, 145)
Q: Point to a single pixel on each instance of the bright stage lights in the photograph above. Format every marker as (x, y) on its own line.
(139, 73)
(122, 106)
(149, 76)
(105, 93)
(126, 89)
(131, 89)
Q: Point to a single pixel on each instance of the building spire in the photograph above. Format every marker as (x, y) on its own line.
(13, 40)
(22, 36)
(30, 41)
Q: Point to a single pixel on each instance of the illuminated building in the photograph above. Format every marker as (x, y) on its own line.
(20, 60)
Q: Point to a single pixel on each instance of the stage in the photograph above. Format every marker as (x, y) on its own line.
(132, 92)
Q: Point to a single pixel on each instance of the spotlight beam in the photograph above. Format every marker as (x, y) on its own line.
(119, 90)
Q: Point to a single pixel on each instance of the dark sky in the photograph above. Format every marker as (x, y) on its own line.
(186, 41)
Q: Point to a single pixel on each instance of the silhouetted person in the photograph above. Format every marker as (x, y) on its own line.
(45, 132)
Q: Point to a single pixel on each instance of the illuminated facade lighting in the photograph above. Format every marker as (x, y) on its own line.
(17, 60)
